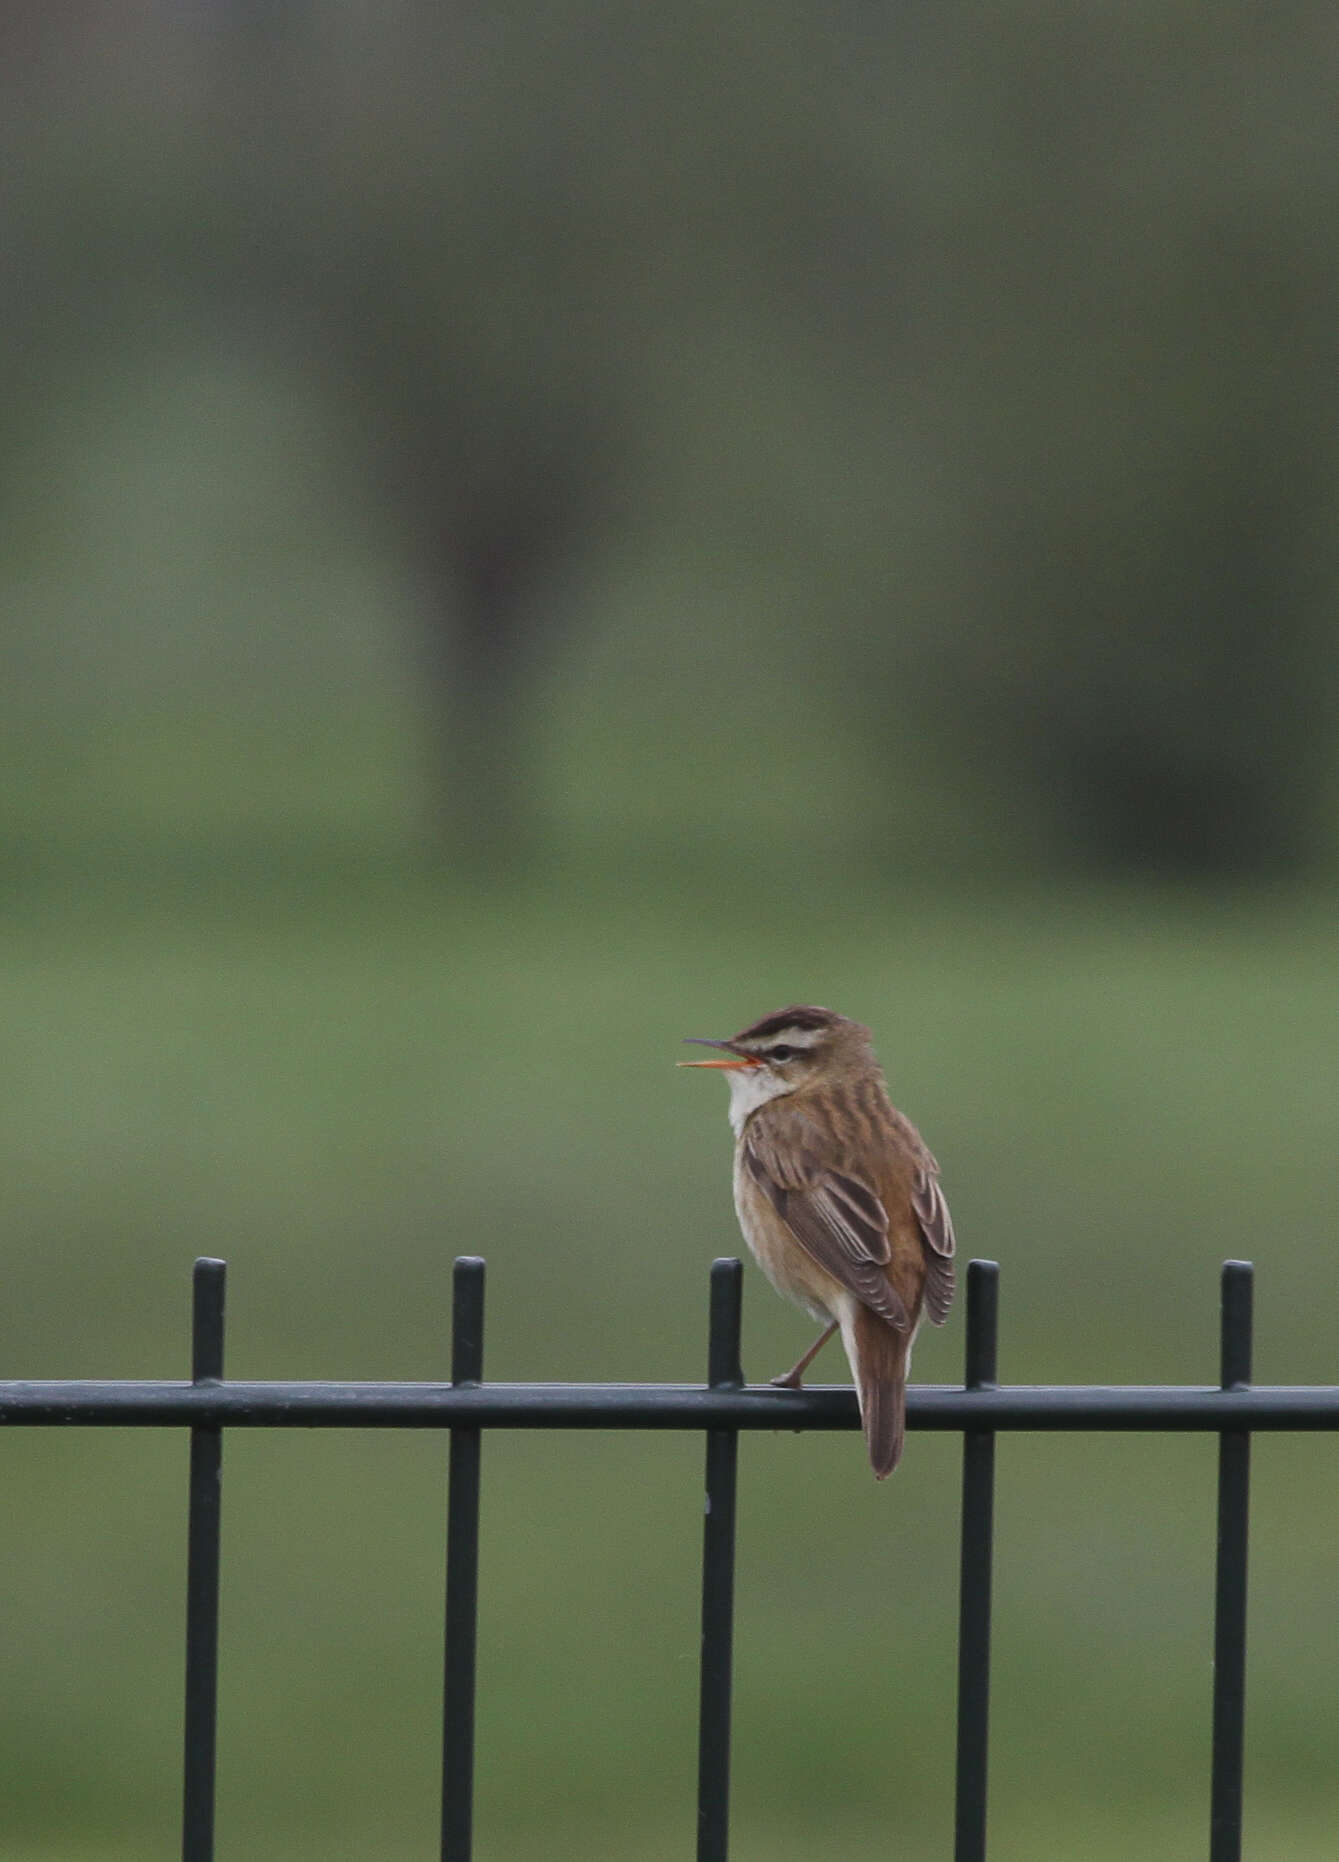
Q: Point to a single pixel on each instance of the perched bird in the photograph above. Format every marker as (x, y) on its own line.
(839, 1200)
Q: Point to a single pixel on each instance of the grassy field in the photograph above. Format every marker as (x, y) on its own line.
(338, 1073)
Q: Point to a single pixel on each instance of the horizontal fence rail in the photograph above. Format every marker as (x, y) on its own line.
(1046, 1408)
(979, 1409)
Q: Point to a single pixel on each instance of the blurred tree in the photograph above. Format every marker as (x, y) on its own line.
(1010, 338)
(1148, 268)
(434, 302)
(495, 503)
(1173, 702)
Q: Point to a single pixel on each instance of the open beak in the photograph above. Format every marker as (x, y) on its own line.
(736, 1058)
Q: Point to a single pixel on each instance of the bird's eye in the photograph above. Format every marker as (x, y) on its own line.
(780, 1053)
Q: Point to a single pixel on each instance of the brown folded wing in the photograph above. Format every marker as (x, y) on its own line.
(936, 1226)
(933, 1220)
(838, 1220)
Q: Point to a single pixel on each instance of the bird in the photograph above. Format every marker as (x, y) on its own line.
(838, 1198)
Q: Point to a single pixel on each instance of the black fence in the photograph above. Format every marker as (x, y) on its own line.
(467, 1406)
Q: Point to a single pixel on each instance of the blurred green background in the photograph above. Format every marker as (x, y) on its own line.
(529, 533)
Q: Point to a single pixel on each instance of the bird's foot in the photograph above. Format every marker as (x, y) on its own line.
(789, 1380)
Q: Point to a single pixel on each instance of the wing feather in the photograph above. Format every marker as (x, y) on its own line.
(838, 1220)
(936, 1226)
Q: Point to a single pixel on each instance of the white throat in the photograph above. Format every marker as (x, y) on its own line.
(751, 1087)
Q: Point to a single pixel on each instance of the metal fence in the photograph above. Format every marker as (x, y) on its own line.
(209, 1404)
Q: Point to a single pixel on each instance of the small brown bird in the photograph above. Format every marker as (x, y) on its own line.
(839, 1200)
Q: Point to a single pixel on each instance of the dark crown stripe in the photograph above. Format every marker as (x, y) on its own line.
(788, 1018)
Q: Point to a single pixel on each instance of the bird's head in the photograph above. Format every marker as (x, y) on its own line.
(786, 1052)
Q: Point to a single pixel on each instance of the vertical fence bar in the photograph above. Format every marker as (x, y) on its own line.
(462, 1571)
(202, 1573)
(978, 1511)
(718, 1575)
(1229, 1634)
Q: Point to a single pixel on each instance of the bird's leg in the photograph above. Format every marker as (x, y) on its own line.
(791, 1379)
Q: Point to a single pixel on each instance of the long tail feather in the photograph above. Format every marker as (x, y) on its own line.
(879, 1366)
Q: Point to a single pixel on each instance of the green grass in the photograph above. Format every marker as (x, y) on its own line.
(338, 1073)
